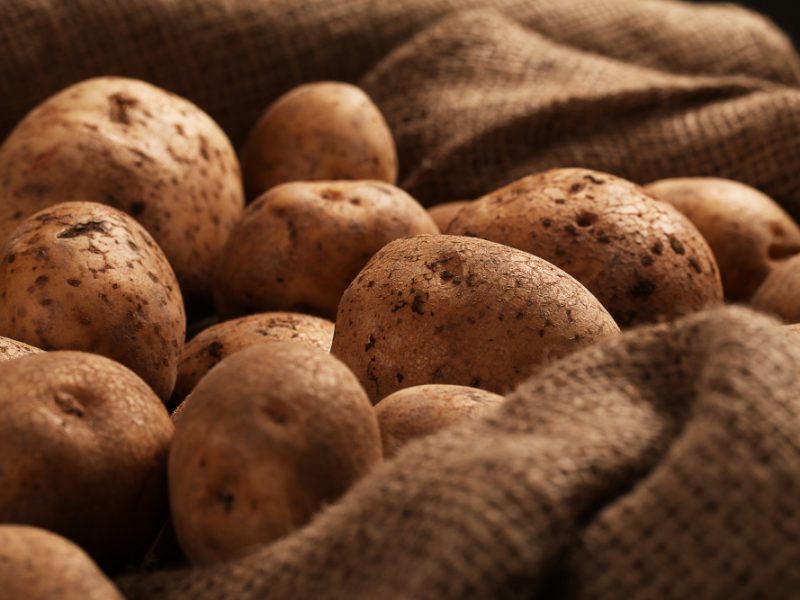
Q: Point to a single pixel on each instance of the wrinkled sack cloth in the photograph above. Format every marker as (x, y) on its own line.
(664, 463)
(477, 92)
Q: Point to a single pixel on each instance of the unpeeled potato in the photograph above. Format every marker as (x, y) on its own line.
(779, 295)
(443, 214)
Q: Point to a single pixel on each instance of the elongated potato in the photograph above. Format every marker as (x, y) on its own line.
(422, 410)
(464, 311)
(749, 233)
(641, 258)
(135, 147)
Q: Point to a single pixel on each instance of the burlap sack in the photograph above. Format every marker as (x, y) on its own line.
(476, 99)
(662, 464)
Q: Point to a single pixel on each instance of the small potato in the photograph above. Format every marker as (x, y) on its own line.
(443, 214)
(85, 276)
(268, 436)
(135, 147)
(749, 233)
(425, 409)
(325, 130)
(463, 311)
(300, 245)
(39, 565)
(779, 295)
(11, 349)
(219, 341)
(84, 443)
(641, 258)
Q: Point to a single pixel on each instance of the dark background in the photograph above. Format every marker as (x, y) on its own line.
(785, 13)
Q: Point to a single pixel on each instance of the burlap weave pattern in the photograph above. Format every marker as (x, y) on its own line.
(663, 464)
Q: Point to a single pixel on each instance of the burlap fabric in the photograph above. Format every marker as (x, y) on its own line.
(662, 464)
(478, 92)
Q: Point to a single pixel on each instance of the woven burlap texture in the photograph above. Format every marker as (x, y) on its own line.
(661, 464)
(478, 92)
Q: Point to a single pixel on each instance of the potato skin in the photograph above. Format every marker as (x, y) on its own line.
(267, 437)
(443, 214)
(84, 444)
(85, 276)
(422, 410)
(11, 349)
(135, 147)
(39, 565)
(317, 131)
(779, 295)
(219, 341)
(748, 231)
(641, 258)
(300, 245)
(463, 311)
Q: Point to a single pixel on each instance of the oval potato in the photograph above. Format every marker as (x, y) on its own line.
(749, 233)
(464, 311)
(641, 258)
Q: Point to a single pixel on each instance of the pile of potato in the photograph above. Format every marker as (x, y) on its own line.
(334, 318)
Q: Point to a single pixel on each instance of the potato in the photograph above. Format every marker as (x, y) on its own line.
(443, 214)
(464, 311)
(267, 437)
(135, 147)
(318, 131)
(748, 231)
(219, 341)
(300, 245)
(425, 409)
(641, 258)
(85, 276)
(84, 443)
(779, 295)
(11, 349)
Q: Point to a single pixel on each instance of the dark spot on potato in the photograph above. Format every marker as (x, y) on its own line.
(657, 248)
(642, 288)
(399, 306)
(541, 333)
(41, 280)
(570, 229)
(17, 215)
(370, 343)
(546, 222)
(11, 258)
(331, 194)
(74, 282)
(400, 377)
(586, 219)
(417, 304)
(137, 208)
(647, 260)
(225, 498)
(214, 349)
(84, 229)
(695, 264)
(676, 245)
(119, 104)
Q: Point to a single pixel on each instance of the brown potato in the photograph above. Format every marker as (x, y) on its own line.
(464, 311)
(317, 131)
(641, 258)
(84, 276)
(11, 349)
(748, 231)
(84, 443)
(39, 565)
(135, 147)
(779, 295)
(271, 434)
(443, 214)
(421, 410)
(300, 245)
(219, 341)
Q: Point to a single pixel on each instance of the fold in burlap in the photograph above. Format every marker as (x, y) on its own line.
(476, 99)
(662, 464)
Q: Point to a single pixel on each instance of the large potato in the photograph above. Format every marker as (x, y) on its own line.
(422, 410)
(748, 231)
(779, 295)
(443, 214)
(271, 434)
(138, 148)
(84, 446)
(640, 257)
(464, 311)
(300, 245)
(39, 565)
(84, 276)
(325, 130)
(212, 345)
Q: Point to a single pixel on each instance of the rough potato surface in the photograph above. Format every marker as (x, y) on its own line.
(84, 276)
(135, 147)
(84, 443)
(325, 130)
(459, 310)
(268, 437)
(641, 258)
(11, 349)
